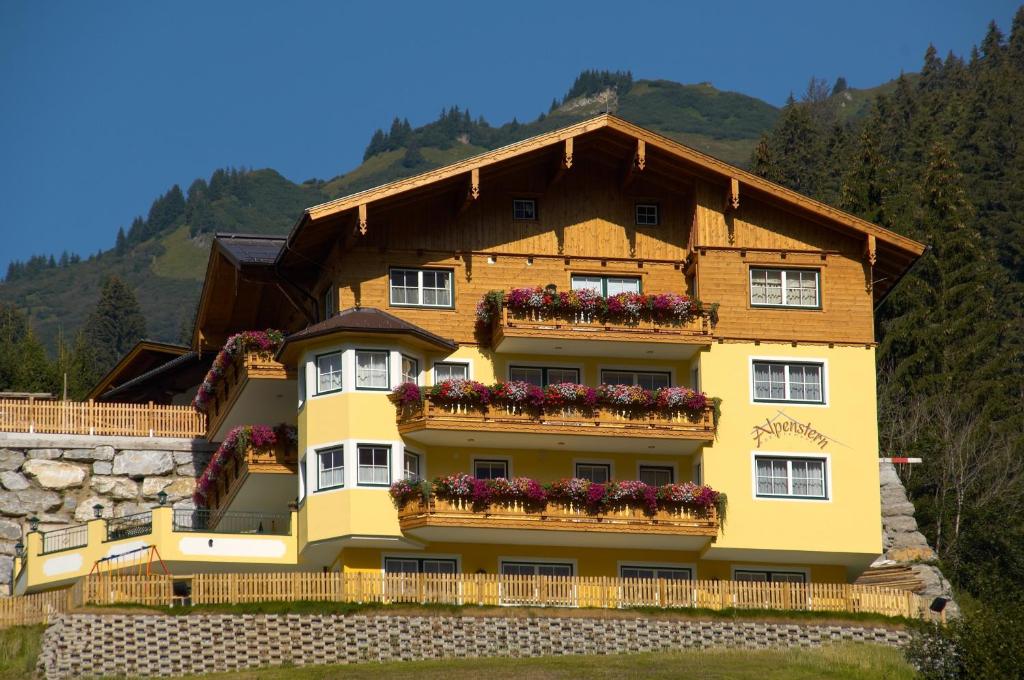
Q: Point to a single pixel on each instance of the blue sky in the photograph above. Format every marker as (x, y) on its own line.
(105, 105)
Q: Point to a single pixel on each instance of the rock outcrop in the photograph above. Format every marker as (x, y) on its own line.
(60, 478)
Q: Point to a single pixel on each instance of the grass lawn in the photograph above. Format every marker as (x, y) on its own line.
(19, 648)
(844, 662)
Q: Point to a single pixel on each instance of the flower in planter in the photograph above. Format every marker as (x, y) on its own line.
(518, 393)
(680, 398)
(558, 395)
(236, 442)
(625, 396)
(269, 340)
(670, 306)
(460, 391)
(454, 487)
(569, 491)
(530, 492)
(407, 394)
(404, 491)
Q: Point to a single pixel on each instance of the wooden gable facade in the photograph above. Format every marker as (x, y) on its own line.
(715, 223)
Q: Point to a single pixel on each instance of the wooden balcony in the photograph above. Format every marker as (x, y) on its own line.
(592, 430)
(263, 470)
(443, 521)
(252, 368)
(533, 333)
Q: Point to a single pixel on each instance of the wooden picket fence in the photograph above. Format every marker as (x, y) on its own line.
(98, 418)
(28, 610)
(502, 590)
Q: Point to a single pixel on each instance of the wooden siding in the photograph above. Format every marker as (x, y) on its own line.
(586, 225)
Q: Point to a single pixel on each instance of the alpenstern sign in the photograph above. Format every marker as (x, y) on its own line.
(783, 425)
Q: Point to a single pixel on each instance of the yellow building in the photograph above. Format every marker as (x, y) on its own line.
(729, 319)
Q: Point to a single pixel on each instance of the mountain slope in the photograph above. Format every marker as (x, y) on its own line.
(163, 257)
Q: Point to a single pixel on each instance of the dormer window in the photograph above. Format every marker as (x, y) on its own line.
(524, 209)
(647, 214)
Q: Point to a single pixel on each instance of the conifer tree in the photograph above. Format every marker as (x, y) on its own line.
(115, 324)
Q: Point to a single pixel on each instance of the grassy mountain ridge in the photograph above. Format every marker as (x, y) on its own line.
(163, 257)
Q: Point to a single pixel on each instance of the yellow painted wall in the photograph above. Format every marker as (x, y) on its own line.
(850, 521)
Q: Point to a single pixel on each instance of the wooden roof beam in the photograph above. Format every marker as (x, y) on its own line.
(635, 164)
(564, 163)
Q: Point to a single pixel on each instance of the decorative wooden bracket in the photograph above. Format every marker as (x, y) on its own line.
(636, 164)
(732, 197)
(473, 192)
(871, 257)
(564, 163)
(567, 159)
(362, 219)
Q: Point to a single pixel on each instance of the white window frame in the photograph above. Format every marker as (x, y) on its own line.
(636, 372)
(640, 564)
(385, 556)
(645, 223)
(522, 202)
(820, 361)
(341, 371)
(401, 368)
(433, 370)
(419, 287)
(419, 465)
(359, 465)
(494, 459)
(544, 371)
(785, 302)
(593, 463)
(320, 468)
(605, 279)
(655, 464)
(387, 369)
(302, 479)
(789, 456)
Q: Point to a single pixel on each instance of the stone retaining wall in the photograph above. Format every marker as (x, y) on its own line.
(90, 645)
(59, 478)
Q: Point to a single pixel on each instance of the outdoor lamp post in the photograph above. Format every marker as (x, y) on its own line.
(97, 510)
(19, 548)
(162, 498)
(33, 523)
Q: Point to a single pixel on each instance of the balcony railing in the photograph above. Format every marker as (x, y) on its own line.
(599, 420)
(65, 539)
(232, 522)
(103, 419)
(281, 459)
(555, 517)
(130, 526)
(512, 323)
(248, 366)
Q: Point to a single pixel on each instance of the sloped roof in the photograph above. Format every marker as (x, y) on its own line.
(706, 164)
(250, 248)
(140, 359)
(367, 320)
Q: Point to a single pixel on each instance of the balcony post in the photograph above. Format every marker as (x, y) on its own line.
(163, 522)
(97, 530)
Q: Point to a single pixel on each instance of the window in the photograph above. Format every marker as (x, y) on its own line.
(421, 287)
(667, 573)
(524, 209)
(646, 379)
(372, 370)
(536, 569)
(302, 383)
(302, 478)
(543, 376)
(332, 467)
(328, 302)
(449, 371)
(598, 473)
(374, 465)
(784, 287)
(657, 475)
(328, 373)
(490, 469)
(411, 465)
(783, 381)
(647, 214)
(769, 576)
(418, 565)
(790, 477)
(698, 474)
(606, 285)
(410, 370)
